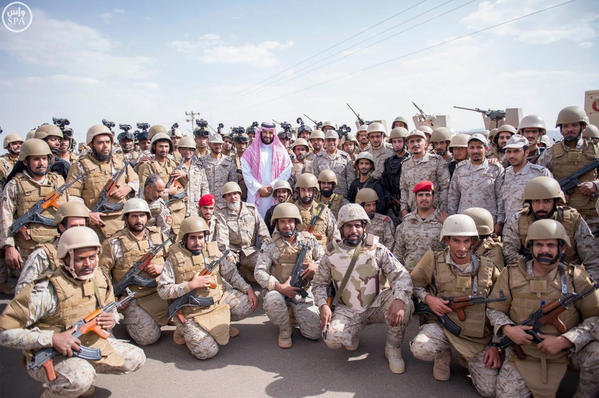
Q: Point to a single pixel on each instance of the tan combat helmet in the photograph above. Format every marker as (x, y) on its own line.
(400, 119)
(71, 209)
(366, 195)
(547, 229)
(161, 137)
(376, 127)
(136, 205)
(417, 133)
(328, 123)
(317, 134)
(34, 147)
(459, 141)
(307, 180)
(547, 141)
(543, 187)
(441, 134)
(230, 187)
(282, 184)
(327, 175)
(364, 155)
(482, 218)
(398, 132)
(459, 225)
(286, 210)
(352, 212)
(10, 138)
(571, 114)
(300, 141)
(590, 132)
(30, 134)
(77, 238)
(96, 130)
(187, 142)
(425, 129)
(215, 138)
(156, 129)
(532, 122)
(47, 130)
(191, 225)
(363, 127)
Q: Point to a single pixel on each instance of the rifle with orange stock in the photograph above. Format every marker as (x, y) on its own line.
(102, 205)
(458, 304)
(190, 299)
(45, 357)
(33, 215)
(546, 315)
(313, 221)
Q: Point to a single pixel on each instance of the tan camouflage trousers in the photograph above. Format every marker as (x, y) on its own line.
(304, 311)
(247, 265)
(346, 324)
(201, 344)
(140, 325)
(74, 376)
(511, 384)
(431, 340)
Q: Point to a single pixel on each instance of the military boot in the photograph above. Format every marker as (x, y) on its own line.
(393, 355)
(285, 337)
(441, 370)
(233, 332)
(353, 347)
(89, 392)
(178, 337)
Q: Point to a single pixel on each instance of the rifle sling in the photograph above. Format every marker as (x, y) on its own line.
(352, 264)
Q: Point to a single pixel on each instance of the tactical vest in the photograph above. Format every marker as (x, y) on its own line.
(186, 265)
(567, 216)
(362, 287)
(50, 250)
(492, 248)
(449, 282)
(28, 193)
(288, 257)
(76, 300)
(320, 229)
(335, 203)
(97, 175)
(565, 162)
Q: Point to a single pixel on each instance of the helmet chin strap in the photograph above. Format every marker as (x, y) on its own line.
(70, 267)
(552, 260)
(289, 234)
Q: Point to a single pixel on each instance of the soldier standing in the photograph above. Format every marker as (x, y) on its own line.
(422, 166)
(317, 142)
(500, 138)
(392, 170)
(456, 272)
(42, 316)
(380, 151)
(241, 142)
(380, 226)
(98, 167)
(201, 136)
(301, 164)
(532, 127)
(12, 143)
(532, 284)
(336, 160)
(458, 146)
(197, 185)
(281, 192)
(327, 179)
(400, 121)
(275, 264)
(364, 164)
(362, 137)
(148, 312)
(217, 232)
(419, 229)
(571, 154)
(53, 136)
(125, 140)
(355, 266)
(219, 168)
(204, 328)
(441, 138)
(489, 244)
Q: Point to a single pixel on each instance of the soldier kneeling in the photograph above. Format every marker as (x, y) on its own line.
(43, 315)
(355, 266)
(196, 267)
(276, 263)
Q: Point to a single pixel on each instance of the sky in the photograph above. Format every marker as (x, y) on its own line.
(239, 61)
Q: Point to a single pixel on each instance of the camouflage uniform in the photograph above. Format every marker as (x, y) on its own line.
(524, 297)
(196, 187)
(219, 172)
(275, 263)
(584, 248)
(334, 202)
(240, 180)
(341, 163)
(513, 187)
(145, 315)
(477, 186)
(52, 310)
(380, 155)
(361, 302)
(431, 167)
(199, 340)
(300, 168)
(437, 273)
(161, 216)
(492, 248)
(95, 176)
(382, 227)
(6, 165)
(218, 233)
(246, 231)
(414, 236)
(325, 230)
(40, 261)
(131, 156)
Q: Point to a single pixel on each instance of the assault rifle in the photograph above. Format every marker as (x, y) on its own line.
(190, 299)
(494, 115)
(296, 273)
(33, 215)
(570, 182)
(421, 308)
(545, 315)
(458, 304)
(132, 276)
(313, 222)
(45, 356)
(171, 180)
(176, 197)
(102, 205)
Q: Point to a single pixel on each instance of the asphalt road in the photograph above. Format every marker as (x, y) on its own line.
(253, 365)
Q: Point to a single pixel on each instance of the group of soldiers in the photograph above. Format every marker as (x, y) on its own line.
(471, 232)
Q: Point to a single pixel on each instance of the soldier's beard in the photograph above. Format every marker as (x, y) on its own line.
(300, 157)
(100, 157)
(38, 173)
(235, 206)
(571, 138)
(546, 258)
(289, 234)
(326, 193)
(353, 240)
(306, 199)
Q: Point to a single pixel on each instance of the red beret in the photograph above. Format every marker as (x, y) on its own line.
(206, 200)
(424, 186)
